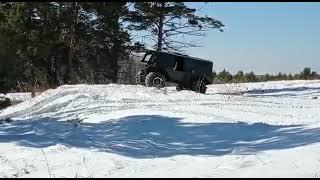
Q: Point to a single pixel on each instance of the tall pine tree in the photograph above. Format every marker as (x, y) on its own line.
(165, 21)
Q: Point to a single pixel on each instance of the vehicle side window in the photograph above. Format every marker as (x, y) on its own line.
(148, 57)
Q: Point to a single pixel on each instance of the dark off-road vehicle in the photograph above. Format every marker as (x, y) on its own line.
(186, 72)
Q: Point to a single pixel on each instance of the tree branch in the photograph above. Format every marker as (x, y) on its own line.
(191, 33)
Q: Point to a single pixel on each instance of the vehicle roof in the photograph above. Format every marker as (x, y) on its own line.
(181, 55)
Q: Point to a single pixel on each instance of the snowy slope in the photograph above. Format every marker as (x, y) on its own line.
(269, 129)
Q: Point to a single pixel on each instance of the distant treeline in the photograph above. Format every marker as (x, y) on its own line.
(241, 77)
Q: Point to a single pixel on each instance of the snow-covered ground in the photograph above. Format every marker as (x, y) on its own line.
(269, 129)
(17, 97)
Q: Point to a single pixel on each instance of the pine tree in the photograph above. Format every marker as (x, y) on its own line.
(19, 27)
(251, 77)
(62, 42)
(224, 76)
(165, 22)
(306, 73)
(240, 77)
(268, 77)
(314, 75)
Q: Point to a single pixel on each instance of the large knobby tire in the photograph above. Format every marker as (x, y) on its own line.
(179, 87)
(199, 87)
(154, 79)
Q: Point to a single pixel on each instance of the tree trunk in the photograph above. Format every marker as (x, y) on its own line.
(52, 71)
(68, 74)
(70, 58)
(160, 31)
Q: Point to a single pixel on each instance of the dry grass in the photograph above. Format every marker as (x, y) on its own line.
(47, 163)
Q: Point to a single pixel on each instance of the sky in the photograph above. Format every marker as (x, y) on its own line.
(261, 37)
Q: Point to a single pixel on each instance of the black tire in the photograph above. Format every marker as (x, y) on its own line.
(154, 79)
(199, 87)
(179, 87)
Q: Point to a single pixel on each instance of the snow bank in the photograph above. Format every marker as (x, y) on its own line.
(235, 130)
(18, 97)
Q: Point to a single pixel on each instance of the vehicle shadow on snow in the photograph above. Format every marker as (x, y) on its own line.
(149, 136)
(268, 92)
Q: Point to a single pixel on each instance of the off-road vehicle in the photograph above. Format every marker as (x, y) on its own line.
(186, 72)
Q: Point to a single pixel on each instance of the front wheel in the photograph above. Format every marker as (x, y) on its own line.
(155, 79)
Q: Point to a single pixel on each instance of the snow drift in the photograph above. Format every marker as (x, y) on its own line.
(143, 132)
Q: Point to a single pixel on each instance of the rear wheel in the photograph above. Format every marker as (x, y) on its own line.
(199, 87)
(154, 79)
(179, 87)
